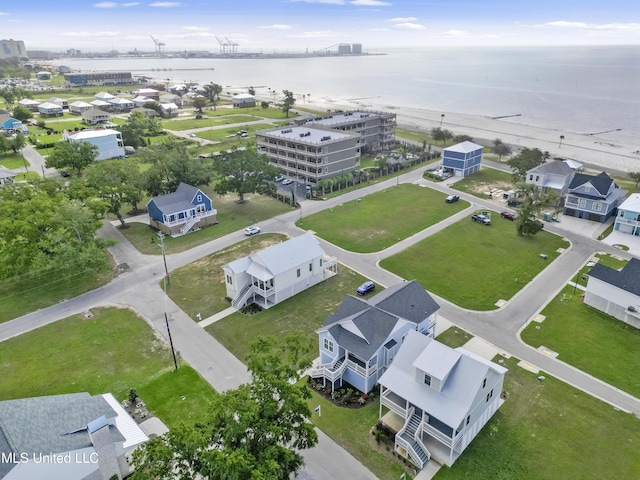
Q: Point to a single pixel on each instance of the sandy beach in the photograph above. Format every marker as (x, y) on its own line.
(594, 151)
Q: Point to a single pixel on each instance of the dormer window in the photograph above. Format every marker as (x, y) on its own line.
(427, 379)
(199, 198)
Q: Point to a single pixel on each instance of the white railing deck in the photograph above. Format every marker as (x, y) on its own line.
(198, 215)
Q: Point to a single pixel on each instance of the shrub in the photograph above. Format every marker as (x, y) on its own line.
(133, 395)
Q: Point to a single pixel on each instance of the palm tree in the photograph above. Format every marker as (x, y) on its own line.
(561, 139)
(441, 118)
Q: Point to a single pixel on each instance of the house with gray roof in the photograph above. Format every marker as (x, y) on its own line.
(440, 397)
(593, 197)
(281, 271)
(360, 339)
(554, 176)
(616, 292)
(6, 177)
(66, 437)
(185, 210)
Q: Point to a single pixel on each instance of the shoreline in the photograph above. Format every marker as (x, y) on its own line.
(592, 150)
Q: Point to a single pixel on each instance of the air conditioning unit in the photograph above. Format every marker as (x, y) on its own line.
(631, 308)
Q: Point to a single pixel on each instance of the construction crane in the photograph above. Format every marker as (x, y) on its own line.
(232, 45)
(227, 46)
(159, 44)
(223, 45)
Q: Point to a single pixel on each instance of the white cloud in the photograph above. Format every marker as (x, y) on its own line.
(402, 19)
(4, 13)
(564, 24)
(105, 5)
(277, 27)
(316, 34)
(165, 4)
(369, 3)
(92, 34)
(380, 29)
(196, 29)
(131, 4)
(591, 26)
(409, 26)
(455, 33)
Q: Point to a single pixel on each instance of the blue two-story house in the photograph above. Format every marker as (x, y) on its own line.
(185, 210)
(462, 159)
(592, 197)
(360, 339)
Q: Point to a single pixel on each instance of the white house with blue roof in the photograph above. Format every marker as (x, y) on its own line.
(462, 159)
(185, 210)
(440, 397)
(281, 271)
(361, 338)
(628, 218)
(12, 125)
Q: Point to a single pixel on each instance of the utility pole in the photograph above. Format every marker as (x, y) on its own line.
(166, 322)
(164, 258)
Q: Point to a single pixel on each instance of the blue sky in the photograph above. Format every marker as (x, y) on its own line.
(296, 25)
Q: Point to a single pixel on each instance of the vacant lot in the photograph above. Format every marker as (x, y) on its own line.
(382, 219)
(549, 430)
(589, 340)
(484, 181)
(113, 351)
(210, 122)
(474, 265)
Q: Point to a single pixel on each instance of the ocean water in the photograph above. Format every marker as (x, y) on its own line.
(575, 89)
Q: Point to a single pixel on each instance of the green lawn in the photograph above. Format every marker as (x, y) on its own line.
(474, 265)
(421, 136)
(113, 351)
(304, 312)
(13, 160)
(482, 182)
(273, 113)
(454, 337)
(200, 288)
(191, 123)
(381, 219)
(229, 135)
(605, 259)
(28, 293)
(231, 215)
(589, 340)
(547, 431)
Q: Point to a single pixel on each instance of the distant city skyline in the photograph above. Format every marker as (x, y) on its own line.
(297, 25)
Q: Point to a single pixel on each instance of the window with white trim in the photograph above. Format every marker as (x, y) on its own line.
(328, 345)
(199, 198)
(427, 379)
(597, 206)
(582, 203)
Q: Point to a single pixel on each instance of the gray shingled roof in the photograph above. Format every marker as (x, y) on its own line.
(178, 201)
(601, 182)
(376, 317)
(627, 279)
(555, 167)
(52, 424)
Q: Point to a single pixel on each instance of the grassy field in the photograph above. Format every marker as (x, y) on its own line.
(231, 215)
(228, 135)
(305, 312)
(454, 337)
(28, 293)
(608, 260)
(589, 340)
(474, 265)
(273, 113)
(482, 182)
(549, 430)
(200, 288)
(191, 123)
(113, 351)
(13, 160)
(421, 136)
(374, 223)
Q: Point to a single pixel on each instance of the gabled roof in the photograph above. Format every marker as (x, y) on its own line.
(99, 103)
(49, 105)
(377, 317)
(120, 101)
(463, 147)
(80, 104)
(601, 182)
(94, 112)
(632, 203)
(178, 201)
(243, 96)
(103, 96)
(28, 101)
(89, 134)
(168, 106)
(272, 261)
(554, 167)
(452, 403)
(4, 173)
(627, 279)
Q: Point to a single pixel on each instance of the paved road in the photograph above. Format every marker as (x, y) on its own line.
(139, 287)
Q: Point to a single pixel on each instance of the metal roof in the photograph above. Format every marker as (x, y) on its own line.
(463, 147)
(632, 203)
(306, 134)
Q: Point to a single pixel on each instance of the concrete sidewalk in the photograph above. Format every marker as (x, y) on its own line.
(218, 316)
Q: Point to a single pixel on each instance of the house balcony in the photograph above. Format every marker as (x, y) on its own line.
(330, 371)
(394, 402)
(199, 216)
(627, 221)
(329, 266)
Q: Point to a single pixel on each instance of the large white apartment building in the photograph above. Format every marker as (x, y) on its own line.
(309, 153)
(376, 129)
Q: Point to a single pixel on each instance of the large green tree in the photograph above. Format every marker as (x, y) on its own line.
(45, 231)
(78, 155)
(171, 164)
(501, 149)
(138, 127)
(21, 113)
(255, 432)
(245, 171)
(287, 103)
(527, 222)
(524, 161)
(635, 176)
(116, 182)
(17, 142)
(212, 91)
